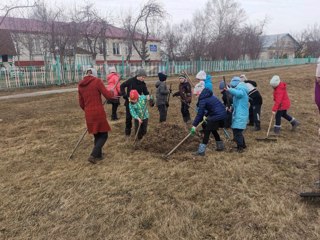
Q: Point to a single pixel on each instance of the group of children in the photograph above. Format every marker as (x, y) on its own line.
(241, 106)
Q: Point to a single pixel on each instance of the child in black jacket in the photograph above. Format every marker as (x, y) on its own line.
(227, 101)
(255, 101)
(185, 95)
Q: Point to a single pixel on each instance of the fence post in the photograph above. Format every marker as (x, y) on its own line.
(122, 66)
(58, 70)
(224, 64)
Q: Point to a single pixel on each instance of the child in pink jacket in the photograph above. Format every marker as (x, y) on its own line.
(113, 82)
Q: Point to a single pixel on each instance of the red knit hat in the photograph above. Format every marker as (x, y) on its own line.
(134, 95)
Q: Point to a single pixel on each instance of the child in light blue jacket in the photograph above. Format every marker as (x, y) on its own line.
(240, 113)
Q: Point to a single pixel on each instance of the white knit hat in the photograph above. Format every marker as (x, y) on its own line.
(275, 81)
(243, 77)
(201, 75)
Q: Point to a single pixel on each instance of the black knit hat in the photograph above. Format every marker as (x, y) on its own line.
(182, 75)
(162, 77)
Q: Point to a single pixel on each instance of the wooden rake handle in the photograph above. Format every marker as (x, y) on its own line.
(182, 141)
(270, 123)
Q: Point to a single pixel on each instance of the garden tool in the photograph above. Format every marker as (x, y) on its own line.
(267, 139)
(144, 111)
(85, 132)
(189, 80)
(182, 141)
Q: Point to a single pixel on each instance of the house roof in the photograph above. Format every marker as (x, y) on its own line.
(6, 43)
(269, 40)
(37, 26)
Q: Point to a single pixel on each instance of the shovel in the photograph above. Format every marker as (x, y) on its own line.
(267, 139)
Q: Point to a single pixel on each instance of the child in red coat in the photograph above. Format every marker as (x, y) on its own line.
(281, 104)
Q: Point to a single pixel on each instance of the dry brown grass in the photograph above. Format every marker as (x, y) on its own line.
(134, 194)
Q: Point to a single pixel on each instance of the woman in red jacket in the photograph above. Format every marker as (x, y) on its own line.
(281, 104)
(113, 83)
(90, 90)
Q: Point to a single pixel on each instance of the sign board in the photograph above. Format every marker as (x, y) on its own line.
(153, 48)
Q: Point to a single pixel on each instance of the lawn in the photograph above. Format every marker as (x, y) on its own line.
(134, 194)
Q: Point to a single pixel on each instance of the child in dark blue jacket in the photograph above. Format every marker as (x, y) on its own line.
(211, 109)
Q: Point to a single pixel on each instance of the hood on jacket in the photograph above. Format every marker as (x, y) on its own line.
(158, 83)
(206, 92)
(282, 85)
(208, 79)
(86, 80)
(242, 85)
(110, 75)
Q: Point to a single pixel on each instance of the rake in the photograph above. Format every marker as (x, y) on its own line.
(316, 193)
(267, 139)
(166, 156)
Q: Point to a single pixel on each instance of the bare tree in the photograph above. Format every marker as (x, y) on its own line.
(251, 41)
(139, 27)
(171, 40)
(11, 7)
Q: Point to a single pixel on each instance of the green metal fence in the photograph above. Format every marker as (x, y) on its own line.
(19, 77)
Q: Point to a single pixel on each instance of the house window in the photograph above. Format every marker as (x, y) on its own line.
(116, 48)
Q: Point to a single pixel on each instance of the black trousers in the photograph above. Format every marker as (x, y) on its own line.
(254, 114)
(284, 114)
(163, 112)
(99, 141)
(185, 112)
(238, 136)
(211, 127)
(114, 115)
(143, 128)
(128, 120)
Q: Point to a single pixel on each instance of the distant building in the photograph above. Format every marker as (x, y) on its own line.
(26, 42)
(278, 46)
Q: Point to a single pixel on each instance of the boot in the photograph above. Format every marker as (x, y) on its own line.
(220, 146)
(276, 129)
(201, 150)
(257, 127)
(294, 124)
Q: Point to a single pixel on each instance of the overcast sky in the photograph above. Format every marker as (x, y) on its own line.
(284, 16)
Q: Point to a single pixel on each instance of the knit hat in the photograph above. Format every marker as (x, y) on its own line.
(112, 69)
(221, 85)
(134, 95)
(162, 77)
(201, 75)
(182, 76)
(243, 77)
(141, 73)
(275, 81)
(93, 72)
(234, 82)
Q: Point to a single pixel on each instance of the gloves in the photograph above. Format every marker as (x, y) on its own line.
(175, 94)
(204, 119)
(193, 130)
